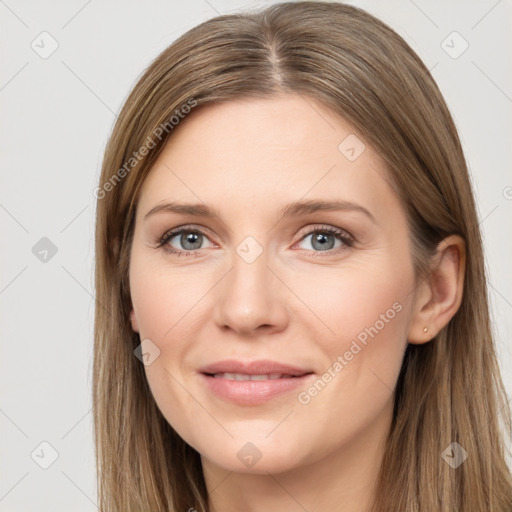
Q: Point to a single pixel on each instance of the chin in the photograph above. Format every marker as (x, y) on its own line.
(257, 458)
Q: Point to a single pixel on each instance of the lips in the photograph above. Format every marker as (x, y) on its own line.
(253, 368)
(244, 376)
(254, 382)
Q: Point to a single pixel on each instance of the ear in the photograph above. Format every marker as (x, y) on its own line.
(133, 320)
(439, 297)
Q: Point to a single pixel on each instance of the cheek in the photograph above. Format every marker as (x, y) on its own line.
(163, 297)
(166, 305)
(362, 319)
(348, 300)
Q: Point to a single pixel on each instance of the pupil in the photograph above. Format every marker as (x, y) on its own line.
(322, 239)
(192, 239)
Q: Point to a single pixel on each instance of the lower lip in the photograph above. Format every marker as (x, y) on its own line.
(253, 392)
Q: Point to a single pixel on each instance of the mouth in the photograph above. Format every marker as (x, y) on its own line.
(257, 368)
(245, 376)
(252, 383)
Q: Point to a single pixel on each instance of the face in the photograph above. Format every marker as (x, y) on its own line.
(272, 284)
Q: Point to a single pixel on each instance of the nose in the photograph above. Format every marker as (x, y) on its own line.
(251, 299)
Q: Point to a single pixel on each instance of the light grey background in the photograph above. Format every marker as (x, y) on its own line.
(56, 115)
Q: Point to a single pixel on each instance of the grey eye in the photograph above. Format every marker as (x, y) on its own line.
(322, 241)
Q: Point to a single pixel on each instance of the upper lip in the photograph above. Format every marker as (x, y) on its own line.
(258, 367)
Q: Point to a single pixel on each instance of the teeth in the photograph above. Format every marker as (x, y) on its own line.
(258, 377)
(243, 376)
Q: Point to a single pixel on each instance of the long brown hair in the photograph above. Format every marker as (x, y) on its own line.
(449, 390)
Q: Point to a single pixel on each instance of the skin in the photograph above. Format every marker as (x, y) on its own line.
(296, 303)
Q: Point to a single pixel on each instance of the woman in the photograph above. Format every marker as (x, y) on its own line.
(292, 309)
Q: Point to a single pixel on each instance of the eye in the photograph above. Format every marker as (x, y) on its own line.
(327, 239)
(187, 240)
(184, 240)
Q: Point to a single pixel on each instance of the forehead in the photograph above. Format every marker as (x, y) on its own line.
(268, 151)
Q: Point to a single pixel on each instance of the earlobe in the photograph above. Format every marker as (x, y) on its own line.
(439, 298)
(133, 321)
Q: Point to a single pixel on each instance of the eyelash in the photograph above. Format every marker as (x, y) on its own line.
(341, 235)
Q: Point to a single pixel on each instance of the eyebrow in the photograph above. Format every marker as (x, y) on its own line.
(294, 209)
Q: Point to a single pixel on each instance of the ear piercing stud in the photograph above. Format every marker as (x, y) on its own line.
(425, 329)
